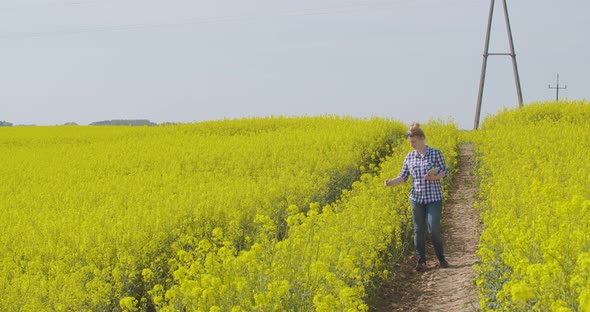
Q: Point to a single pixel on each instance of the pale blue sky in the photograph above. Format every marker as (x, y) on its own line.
(181, 60)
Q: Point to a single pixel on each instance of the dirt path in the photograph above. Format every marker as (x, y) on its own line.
(449, 289)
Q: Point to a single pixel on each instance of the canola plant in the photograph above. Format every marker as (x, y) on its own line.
(252, 214)
(535, 204)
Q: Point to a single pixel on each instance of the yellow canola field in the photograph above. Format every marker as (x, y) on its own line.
(333, 258)
(233, 215)
(87, 210)
(535, 202)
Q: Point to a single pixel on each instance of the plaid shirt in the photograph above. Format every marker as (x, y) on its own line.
(417, 166)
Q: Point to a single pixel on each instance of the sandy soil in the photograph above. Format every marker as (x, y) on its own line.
(437, 289)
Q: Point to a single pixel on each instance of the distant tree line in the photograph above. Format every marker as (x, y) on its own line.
(114, 122)
(124, 122)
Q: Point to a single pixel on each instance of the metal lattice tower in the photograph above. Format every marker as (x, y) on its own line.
(485, 61)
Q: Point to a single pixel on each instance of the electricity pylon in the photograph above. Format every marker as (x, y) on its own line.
(485, 61)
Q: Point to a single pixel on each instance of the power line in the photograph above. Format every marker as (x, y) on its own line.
(351, 2)
(192, 21)
(82, 2)
(49, 5)
(351, 8)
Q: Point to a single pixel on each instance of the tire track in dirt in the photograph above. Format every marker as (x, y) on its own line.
(451, 289)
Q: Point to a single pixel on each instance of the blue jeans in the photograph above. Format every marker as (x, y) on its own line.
(430, 214)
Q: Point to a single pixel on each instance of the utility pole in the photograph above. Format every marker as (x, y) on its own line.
(557, 89)
(485, 61)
